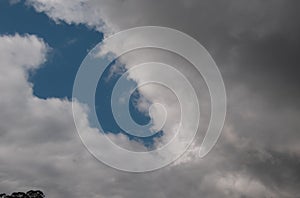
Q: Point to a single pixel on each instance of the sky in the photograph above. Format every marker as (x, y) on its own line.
(255, 45)
(56, 76)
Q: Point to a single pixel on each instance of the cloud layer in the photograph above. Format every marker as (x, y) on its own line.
(256, 45)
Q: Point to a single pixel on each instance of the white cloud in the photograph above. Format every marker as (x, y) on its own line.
(39, 146)
(73, 11)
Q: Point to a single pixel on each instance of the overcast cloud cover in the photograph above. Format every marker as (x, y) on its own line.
(255, 44)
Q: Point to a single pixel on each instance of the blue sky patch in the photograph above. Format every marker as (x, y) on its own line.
(69, 45)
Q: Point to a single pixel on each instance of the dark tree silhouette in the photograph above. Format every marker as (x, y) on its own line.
(29, 194)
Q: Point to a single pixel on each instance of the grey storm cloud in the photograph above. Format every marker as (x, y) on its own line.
(255, 44)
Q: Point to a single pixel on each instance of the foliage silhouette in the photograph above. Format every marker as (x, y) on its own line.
(29, 194)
